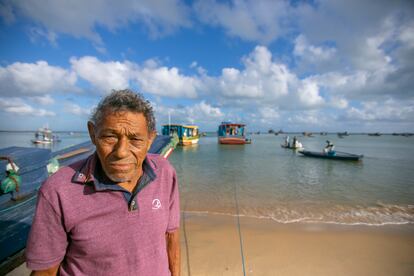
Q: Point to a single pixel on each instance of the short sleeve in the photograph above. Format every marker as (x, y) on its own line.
(174, 207)
(47, 243)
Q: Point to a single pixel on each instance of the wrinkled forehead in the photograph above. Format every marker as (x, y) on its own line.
(121, 118)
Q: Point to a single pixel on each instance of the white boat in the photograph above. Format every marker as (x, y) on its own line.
(45, 136)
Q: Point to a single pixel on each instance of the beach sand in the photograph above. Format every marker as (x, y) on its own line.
(211, 246)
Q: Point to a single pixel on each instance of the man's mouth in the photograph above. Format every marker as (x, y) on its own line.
(120, 166)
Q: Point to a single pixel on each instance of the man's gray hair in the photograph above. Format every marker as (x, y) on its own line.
(125, 100)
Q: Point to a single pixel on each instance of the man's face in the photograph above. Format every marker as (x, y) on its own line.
(122, 141)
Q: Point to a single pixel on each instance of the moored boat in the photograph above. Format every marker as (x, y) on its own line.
(45, 136)
(336, 156)
(34, 165)
(232, 134)
(187, 134)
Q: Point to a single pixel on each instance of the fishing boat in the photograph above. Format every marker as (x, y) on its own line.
(336, 156)
(45, 136)
(292, 147)
(33, 166)
(232, 134)
(187, 134)
(295, 145)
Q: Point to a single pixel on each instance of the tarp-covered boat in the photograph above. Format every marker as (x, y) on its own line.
(337, 156)
(17, 209)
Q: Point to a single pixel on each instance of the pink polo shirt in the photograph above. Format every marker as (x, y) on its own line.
(92, 230)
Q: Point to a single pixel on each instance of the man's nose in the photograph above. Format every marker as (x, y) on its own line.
(122, 147)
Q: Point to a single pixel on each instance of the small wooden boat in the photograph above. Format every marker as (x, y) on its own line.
(232, 134)
(291, 147)
(16, 210)
(187, 134)
(337, 156)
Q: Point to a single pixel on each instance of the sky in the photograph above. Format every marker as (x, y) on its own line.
(322, 65)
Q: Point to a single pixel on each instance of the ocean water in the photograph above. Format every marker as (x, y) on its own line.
(263, 180)
(266, 181)
(23, 139)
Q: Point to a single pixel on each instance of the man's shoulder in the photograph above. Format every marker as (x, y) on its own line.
(158, 162)
(62, 179)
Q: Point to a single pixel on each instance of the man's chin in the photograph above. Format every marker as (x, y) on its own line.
(119, 178)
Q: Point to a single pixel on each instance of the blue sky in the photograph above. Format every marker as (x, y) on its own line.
(291, 65)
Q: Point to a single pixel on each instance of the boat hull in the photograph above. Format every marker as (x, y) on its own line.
(338, 156)
(232, 140)
(294, 148)
(188, 141)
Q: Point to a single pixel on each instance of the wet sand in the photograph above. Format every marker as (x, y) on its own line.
(211, 246)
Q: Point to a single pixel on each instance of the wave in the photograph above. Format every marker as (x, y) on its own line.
(378, 215)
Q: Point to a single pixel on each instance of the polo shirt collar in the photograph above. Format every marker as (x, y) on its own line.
(91, 172)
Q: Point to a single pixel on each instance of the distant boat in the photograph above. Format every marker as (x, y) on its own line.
(232, 134)
(337, 156)
(342, 134)
(374, 134)
(187, 135)
(324, 133)
(297, 147)
(45, 136)
(307, 134)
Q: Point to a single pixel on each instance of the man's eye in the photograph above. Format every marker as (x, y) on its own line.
(136, 139)
(109, 138)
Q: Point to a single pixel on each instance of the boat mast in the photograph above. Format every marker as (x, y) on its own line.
(169, 122)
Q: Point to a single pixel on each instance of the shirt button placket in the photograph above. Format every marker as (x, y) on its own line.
(133, 205)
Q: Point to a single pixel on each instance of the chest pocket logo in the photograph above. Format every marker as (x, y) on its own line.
(156, 204)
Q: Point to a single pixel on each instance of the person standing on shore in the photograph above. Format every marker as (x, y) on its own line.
(115, 213)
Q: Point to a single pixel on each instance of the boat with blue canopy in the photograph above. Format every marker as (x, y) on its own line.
(336, 156)
(187, 134)
(232, 134)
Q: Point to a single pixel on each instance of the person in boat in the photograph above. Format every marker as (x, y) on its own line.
(10, 184)
(329, 148)
(116, 212)
(287, 144)
(295, 142)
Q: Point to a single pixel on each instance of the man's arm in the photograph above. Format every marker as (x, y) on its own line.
(47, 272)
(174, 251)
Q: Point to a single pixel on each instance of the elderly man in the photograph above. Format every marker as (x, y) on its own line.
(115, 213)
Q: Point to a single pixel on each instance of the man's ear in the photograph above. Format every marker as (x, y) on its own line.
(91, 130)
(151, 137)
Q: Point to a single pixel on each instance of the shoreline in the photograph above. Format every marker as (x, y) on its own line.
(213, 244)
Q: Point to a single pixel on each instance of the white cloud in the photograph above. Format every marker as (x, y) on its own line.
(338, 102)
(198, 113)
(389, 110)
(103, 75)
(43, 100)
(165, 81)
(18, 107)
(34, 79)
(6, 12)
(261, 78)
(310, 52)
(76, 109)
(261, 21)
(80, 18)
(407, 34)
(308, 94)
